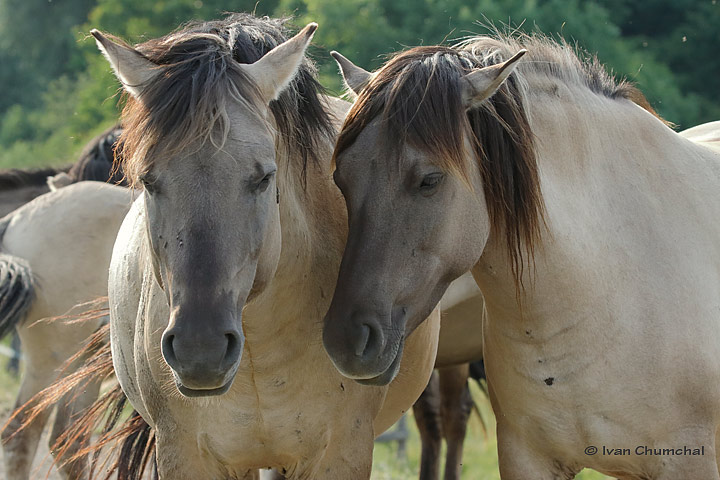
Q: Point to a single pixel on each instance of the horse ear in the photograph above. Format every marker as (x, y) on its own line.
(481, 84)
(274, 71)
(355, 77)
(131, 67)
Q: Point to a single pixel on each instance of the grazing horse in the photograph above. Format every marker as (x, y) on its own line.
(591, 228)
(223, 269)
(54, 254)
(58, 228)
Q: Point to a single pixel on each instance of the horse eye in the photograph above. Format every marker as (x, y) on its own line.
(431, 181)
(265, 182)
(149, 183)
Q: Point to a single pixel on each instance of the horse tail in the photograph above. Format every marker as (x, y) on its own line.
(17, 287)
(137, 450)
(129, 439)
(477, 373)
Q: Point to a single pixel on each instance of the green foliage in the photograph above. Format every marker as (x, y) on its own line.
(58, 90)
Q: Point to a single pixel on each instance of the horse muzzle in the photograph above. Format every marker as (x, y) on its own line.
(363, 349)
(202, 365)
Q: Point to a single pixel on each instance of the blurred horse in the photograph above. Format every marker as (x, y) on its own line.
(54, 254)
(19, 186)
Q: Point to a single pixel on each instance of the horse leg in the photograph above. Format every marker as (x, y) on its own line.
(455, 407)
(47, 345)
(426, 411)
(69, 408)
(20, 446)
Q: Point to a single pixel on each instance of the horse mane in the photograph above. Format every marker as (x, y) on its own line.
(95, 163)
(200, 65)
(97, 159)
(417, 97)
(14, 178)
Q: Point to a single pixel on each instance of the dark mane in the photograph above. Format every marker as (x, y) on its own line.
(97, 159)
(200, 71)
(16, 178)
(417, 96)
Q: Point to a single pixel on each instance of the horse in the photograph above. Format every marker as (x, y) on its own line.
(443, 409)
(54, 254)
(19, 186)
(224, 267)
(590, 226)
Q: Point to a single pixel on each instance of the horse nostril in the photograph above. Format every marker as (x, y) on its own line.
(362, 341)
(233, 349)
(168, 350)
(370, 342)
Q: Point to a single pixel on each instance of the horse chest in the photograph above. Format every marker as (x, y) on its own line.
(267, 426)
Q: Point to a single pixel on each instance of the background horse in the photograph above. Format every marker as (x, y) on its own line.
(591, 228)
(17, 186)
(54, 254)
(222, 270)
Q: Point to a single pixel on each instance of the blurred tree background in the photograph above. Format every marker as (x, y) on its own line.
(57, 91)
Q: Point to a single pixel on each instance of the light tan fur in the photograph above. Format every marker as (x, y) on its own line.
(66, 237)
(288, 408)
(612, 340)
(622, 317)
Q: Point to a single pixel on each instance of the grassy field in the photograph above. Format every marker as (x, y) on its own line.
(480, 458)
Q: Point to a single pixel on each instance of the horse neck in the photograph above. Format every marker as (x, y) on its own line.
(613, 178)
(313, 222)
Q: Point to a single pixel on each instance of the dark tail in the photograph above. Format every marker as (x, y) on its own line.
(129, 438)
(17, 291)
(477, 373)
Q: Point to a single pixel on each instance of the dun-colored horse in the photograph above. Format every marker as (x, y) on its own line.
(54, 255)
(591, 228)
(223, 270)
